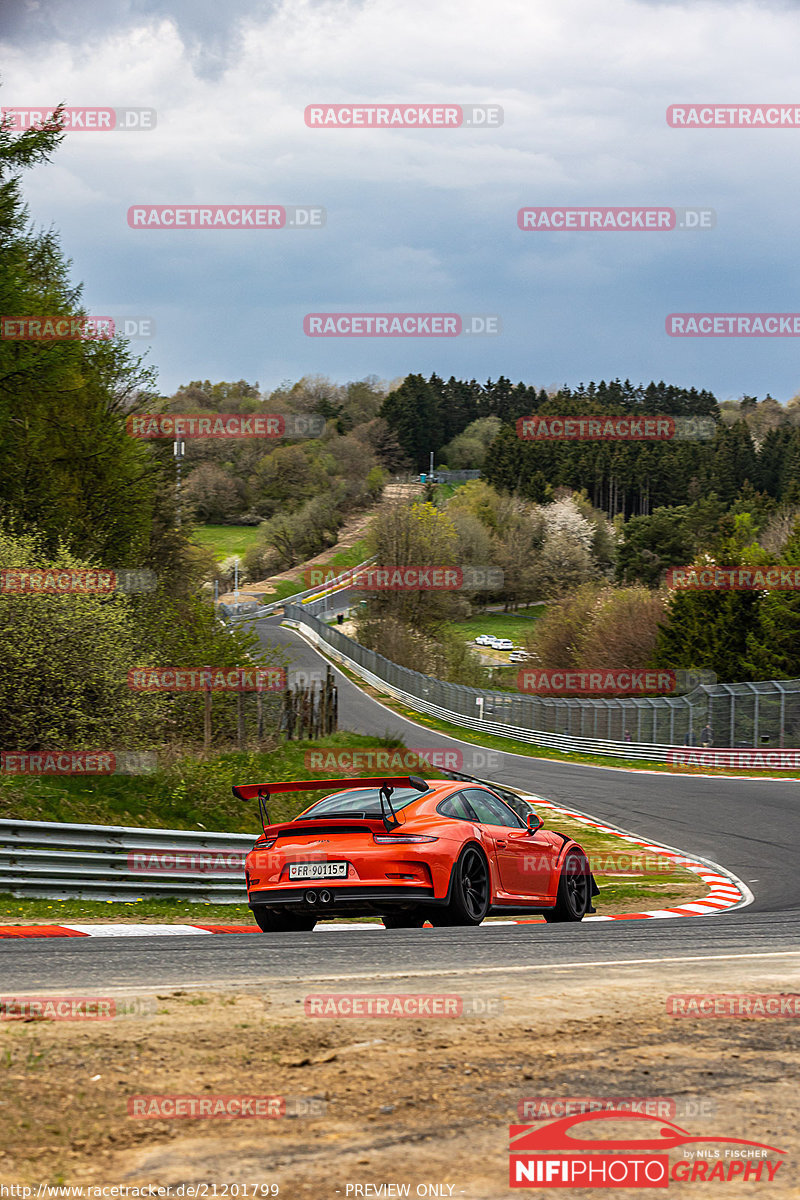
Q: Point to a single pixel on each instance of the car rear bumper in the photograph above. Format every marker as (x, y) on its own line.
(353, 899)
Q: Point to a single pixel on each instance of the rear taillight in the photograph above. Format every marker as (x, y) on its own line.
(264, 844)
(391, 839)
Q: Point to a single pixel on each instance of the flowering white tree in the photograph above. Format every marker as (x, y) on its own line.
(563, 519)
(565, 560)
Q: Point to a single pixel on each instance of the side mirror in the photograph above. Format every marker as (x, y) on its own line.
(534, 822)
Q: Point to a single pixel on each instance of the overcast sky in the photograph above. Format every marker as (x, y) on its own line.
(424, 220)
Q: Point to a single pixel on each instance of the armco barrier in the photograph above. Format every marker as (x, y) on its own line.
(252, 611)
(749, 714)
(109, 862)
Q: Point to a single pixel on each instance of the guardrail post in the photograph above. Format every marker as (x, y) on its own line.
(755, 721)
(783, 715)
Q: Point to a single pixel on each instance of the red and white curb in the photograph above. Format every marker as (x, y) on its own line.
(39, 931)
(726, 891)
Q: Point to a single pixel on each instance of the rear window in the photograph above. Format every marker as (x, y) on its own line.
(363, 802)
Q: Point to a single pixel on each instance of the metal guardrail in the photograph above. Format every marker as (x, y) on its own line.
(251, 611)
(58, 861)
(442, 476)
(750, 714)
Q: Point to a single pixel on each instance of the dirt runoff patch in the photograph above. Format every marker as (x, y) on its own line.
(417, 1102)
(353, 530)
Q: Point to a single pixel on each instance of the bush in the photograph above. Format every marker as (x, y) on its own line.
(66, 660)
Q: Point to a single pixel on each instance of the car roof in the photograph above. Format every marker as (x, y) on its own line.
(438, 789)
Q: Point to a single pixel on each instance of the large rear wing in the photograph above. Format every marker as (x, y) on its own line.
(385, 785)
(251, 791)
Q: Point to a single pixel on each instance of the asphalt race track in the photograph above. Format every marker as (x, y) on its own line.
(750, 826)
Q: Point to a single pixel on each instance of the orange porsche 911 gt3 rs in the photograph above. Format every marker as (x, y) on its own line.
(410, 850)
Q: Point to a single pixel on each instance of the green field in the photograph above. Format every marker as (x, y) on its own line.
(229, 541)
(225, 541)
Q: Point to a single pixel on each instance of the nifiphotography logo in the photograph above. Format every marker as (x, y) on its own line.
(582, 1151)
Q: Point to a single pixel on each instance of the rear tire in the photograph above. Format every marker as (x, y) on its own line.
(271, 921)
(470, 891)
(574, 898)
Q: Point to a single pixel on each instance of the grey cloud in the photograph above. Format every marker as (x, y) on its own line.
(209, 29)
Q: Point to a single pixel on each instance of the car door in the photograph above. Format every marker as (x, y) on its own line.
(524, 861)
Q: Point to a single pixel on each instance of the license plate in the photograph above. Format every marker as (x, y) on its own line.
(318, 870)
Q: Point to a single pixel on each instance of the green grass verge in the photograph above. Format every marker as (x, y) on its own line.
(282, 590)
(351, 557)
(14, 911)
(225, 541)
(189, 792)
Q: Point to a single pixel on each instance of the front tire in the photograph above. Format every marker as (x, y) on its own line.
(470, 891)
(574, 897)
(271, 921)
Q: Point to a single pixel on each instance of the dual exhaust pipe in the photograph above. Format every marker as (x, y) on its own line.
(322, 897)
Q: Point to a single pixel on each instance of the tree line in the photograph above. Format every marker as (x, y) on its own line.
(751, 442)
(77, 492)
